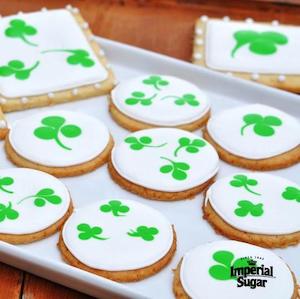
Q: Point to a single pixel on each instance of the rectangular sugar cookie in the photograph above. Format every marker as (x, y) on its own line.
(264, 52)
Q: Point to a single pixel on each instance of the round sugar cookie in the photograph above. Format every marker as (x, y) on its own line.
(33, 205)
(254, 207)
(255, 136)
(62, 143)
(230, 269)
(122, 240)
(164, 164)
(159, 101)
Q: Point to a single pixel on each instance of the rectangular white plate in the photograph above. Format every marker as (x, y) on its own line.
(43, 258)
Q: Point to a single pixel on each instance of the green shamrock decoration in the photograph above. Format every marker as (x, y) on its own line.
(139, 97)
(156, 81)
(241, 180)
(191, 146)
(263, 126)
(6, 181)
(188, 98)
(144, 232)
(77, 57)
(225, 260)
(247, 207)
(17, 68)
(19, 29)
(178, 169)
(8, 212)
(43, 196)
(139, 143)
(116, 207)
(88, 232)
(53, 126)
(291, 193)
(264, 43)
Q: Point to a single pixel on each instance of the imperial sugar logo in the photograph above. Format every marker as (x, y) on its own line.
(249, 271)
(252, 275)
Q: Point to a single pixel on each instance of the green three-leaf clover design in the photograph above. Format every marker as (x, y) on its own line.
(262, 126)
(139, 143)
(243, 181)
(18, 69)
(7, 212)
(187, 98)
(264, 43)
(144, 232)
(138, 97)
(291, 193)
(246, 207)
(191, 146)
(77, 57)
(19, 29)
(6, 181)
(156, 81)
(87, 232)
(225, 260)
(53, 126)
(177, 169)
(43, 196)
(115, 207)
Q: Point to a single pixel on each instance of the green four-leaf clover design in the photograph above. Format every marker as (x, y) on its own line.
(18, 69)
(140, 143)
(6, 181)
(246, 207)
(291, 193)
(87, 232)
(138, 97)
(144, 232)
(225, 260)
(7, 212)
(19, 29)
(53, 126)
(191, 146)
(243, 181)
(262, 125)
(177, 169)
(115, 207)
(156, 81)
(43, 196)
(264, 43)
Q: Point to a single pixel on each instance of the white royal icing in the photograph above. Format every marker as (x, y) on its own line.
(277, 214)
(199, 284)
(144, 166)
(162, 110)
(66, 151)
(220, 41)
(226, 130)
(119, 251)
(56, 29)
(22, 186)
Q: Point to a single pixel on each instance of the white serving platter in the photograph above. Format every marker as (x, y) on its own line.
(42, 258)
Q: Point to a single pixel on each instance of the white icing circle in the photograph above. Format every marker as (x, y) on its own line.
(278, 215)
(199, 284)
(120, 251)
(90, 143)
(20, 194)
(281, 78)
(225, 128)
(199, 41)
(163, 110)
(134, 164)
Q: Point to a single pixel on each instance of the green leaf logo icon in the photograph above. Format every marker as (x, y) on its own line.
(19, 29)
(177, 169)
(156, 81)
(18, 69)
(246, 207)
(291, 193)
(137, 144)
(115, 207)
(243, 181)
(262, 126)
(264, 43)
(87, 232)
(53, 127)
(138, 97)
(7, 212)
(188, 99)
(144, 232)
(191, 146)
(6, 181)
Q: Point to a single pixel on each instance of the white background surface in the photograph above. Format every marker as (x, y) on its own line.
(191, 229)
